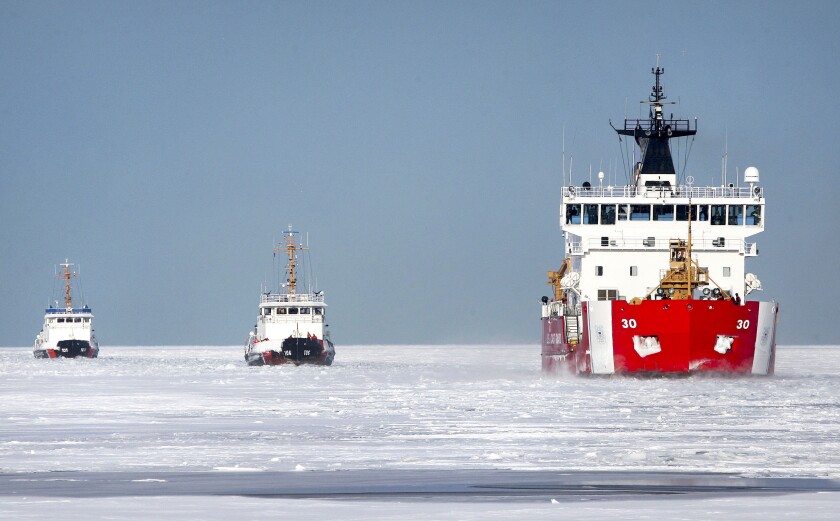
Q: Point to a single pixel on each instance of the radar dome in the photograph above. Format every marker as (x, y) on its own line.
(751, 174)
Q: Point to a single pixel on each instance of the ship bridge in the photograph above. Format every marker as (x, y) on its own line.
(618, 237)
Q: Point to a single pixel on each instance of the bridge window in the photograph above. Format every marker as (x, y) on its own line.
(304, 311)
(639, 212)
(60, 320)
(623, 211)
(293, 311)
(319, 311)
(736, 214)
(753, 214)
(590, 214)
(281, 311)
(718, 214)
(607, 214)
(572, 214)
(682, 212)
(266, 311)
(663, 212)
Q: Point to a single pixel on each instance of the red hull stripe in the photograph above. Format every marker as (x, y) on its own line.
(666, 336)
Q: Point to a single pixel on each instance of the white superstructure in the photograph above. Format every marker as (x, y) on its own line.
(297, 315)
(618, 237)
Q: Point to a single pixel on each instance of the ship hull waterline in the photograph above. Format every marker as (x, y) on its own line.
(664, 337)
(295, 351)
(69, 349)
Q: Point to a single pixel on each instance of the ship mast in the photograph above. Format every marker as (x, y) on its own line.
(68, 298)
(290, 248)
(656, 167)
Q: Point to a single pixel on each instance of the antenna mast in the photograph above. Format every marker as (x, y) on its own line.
(564, 156)
(68, 298)
(290, 248)
(725, 155)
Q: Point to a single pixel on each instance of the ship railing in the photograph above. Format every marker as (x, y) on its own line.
(60, 311)
(648, 124)
(641, 243)
(678, 191)
(297, 297)
(710, 192)
(558, 309)
(553, 309)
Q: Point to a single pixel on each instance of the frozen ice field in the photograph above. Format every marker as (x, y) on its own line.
(409, 419)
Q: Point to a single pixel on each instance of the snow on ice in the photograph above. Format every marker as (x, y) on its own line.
(201, 409)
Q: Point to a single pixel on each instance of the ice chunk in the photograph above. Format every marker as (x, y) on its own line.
(724, 344)
(646, 345)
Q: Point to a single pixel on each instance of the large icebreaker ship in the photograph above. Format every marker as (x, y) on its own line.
(654, 278)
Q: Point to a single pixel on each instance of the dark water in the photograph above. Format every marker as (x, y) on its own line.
(479, 484)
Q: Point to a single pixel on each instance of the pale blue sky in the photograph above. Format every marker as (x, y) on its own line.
(164, 145)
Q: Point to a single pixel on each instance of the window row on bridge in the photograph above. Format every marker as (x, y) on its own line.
(716, 214)
(292, 311)
(69, 320)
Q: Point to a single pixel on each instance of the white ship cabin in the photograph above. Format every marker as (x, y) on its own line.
(298, 315)
(67, 324)
(618, 237)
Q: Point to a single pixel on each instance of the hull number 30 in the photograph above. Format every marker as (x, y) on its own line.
(628, 323)
(743, 324)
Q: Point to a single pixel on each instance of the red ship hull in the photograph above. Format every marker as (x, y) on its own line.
(664, 337)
